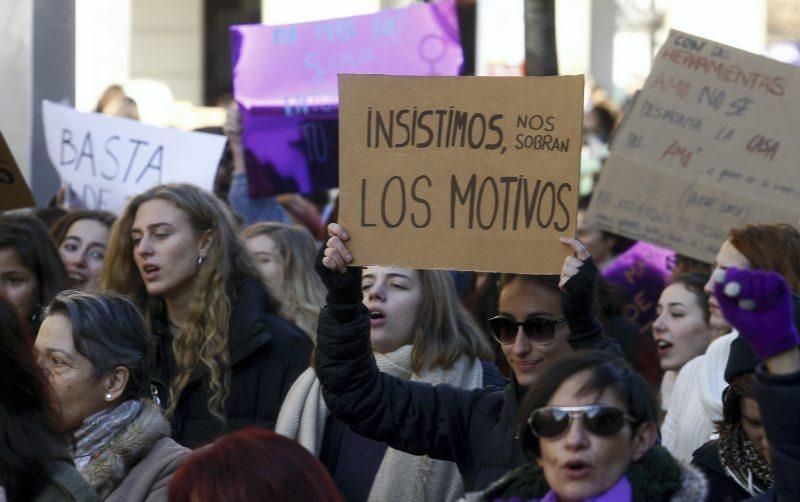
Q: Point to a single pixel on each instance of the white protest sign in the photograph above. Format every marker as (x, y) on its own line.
(107, 160)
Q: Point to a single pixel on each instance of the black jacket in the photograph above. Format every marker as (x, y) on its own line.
(778, 398)
(335, 430)
(476, 428)
(657, 476)
(267, 354)
(721, 487)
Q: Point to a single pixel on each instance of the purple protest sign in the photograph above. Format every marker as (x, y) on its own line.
(643, 270)
(285, 82)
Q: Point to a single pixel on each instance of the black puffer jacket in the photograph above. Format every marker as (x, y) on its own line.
(476, 429)
(267, 354)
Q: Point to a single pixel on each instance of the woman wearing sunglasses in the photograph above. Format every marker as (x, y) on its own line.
(476, 429)
(590, 431)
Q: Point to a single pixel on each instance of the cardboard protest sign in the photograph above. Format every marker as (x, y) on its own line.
(284, 80)
(467, 173)
(107, 160)
(708, 145)
(14, 192)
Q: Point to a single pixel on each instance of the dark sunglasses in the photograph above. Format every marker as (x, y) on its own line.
(537, 330)
(552, 421)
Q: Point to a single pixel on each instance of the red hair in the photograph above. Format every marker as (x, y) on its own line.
(252, 464)
(771, 247)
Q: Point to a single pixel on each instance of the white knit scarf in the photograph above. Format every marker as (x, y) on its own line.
(401, 476)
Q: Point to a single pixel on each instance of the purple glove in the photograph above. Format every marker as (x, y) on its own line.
(759, 305)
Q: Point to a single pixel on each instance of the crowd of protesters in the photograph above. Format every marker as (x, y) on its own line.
(214, 346)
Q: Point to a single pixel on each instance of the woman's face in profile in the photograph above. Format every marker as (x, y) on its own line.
(77, 392)
(727, 257)
(268, 260)
(18, 283)
(753, 427)
(680, 330)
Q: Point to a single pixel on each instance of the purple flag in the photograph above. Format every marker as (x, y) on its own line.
(284, 80)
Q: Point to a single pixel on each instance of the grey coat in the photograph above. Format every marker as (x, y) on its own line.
(66, 485)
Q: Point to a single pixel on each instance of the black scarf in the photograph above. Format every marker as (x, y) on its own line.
(738, 454)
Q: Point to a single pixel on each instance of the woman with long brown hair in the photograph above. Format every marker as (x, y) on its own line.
(284, 255)
(227, 358)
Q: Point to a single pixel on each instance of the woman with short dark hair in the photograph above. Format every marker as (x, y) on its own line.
(35, 463)
(589, 430)
(96, 350)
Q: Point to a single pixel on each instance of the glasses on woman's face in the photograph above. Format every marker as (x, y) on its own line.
(537, 329)
(600, 420)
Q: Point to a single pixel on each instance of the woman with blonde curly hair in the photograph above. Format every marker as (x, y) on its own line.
(225, 356)
(284, 255)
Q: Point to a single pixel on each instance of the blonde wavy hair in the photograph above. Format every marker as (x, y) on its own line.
(444, 330)
(303, 292)
(203, 338)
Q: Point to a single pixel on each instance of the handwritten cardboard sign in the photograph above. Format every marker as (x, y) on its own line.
(708, 145)
(466, 173)
(284, 79)
(14, 192)
(107, 160)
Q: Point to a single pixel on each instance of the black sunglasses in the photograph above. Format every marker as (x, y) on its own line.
(552, 421)
(537, 330)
